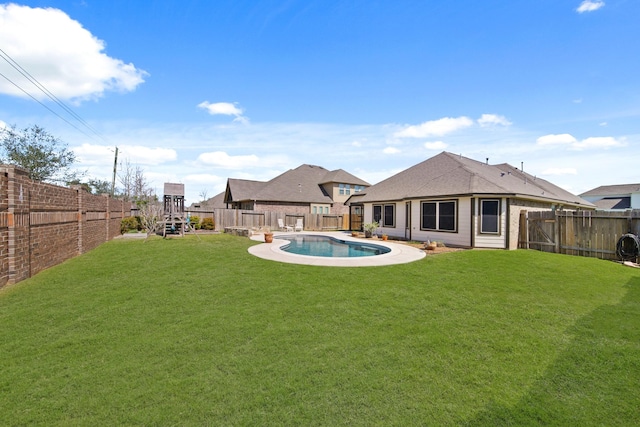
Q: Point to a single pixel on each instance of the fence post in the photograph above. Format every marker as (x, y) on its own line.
(558, 234)
(524, 230)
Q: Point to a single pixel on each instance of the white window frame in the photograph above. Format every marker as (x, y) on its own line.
(498, 216)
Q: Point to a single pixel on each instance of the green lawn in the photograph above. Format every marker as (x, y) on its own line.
(198, 332)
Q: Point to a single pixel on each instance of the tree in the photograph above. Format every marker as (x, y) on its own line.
(93, 186)
(46, 157)
(100, 186)
(135, 187)
(203, 195)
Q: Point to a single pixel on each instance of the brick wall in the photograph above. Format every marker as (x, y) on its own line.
(4, 230)
(42, 225)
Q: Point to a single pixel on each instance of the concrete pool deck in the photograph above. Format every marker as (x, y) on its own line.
(399, 254)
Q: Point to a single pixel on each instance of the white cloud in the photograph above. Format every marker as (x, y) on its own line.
(141, 155)
(588, 143)
(62, 55)
(560, 171)
(553, 139)
(487, 120)
(225, 109)
(223, 160)
(91, 155)
(391, 150)
(435, 145)
(598, 142)
(589, 6)
(438, 127)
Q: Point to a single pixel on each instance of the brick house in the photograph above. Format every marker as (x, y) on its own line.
(305, 189)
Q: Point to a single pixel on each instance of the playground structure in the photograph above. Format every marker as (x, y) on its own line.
(174, 220)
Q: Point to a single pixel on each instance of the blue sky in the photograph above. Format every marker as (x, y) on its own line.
(200, 91)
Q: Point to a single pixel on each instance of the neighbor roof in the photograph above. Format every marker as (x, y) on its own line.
(296, 185)
(242, 189)
(299, 185)
(343, 177)
(448, 174)
(215, 202)
(609, 203)
(613, 190)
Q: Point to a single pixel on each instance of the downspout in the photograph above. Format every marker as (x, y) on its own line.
(473, 222)
(508, 224)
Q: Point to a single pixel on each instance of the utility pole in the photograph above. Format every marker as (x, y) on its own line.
(115, 166)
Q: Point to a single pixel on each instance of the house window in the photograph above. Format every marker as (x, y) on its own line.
(490, 216)
(315, 209)
(439, 216)
(347, 189)
(389, 216)
(377, 213)
(326, 209)
(385, 215)
(341, 186)
(358, 188)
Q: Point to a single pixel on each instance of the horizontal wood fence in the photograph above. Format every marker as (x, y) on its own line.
(583, 233)
(254, 219)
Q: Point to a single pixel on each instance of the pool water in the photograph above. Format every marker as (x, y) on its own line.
(326, 246)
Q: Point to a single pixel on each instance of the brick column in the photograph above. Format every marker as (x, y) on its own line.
(19, 193)
(82, 213)
(107, 218)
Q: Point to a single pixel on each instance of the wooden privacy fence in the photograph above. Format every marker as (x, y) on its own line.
(584, 233)
(254, 219)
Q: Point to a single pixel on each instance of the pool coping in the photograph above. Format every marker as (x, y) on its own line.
(398, 254)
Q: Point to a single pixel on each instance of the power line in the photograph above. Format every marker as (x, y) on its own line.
(13, 63)
(45, 106)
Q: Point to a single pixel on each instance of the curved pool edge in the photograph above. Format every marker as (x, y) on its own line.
(399, 253)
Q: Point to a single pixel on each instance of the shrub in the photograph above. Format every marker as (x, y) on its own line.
(129, 223)
(207, 224)
(194, 221)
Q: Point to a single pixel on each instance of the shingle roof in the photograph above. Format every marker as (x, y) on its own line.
(215, 202)
(296, 185)
(613, 190)
(299, 185)
(610, 203)
(344, 177)
(242, 189)
(448, 174)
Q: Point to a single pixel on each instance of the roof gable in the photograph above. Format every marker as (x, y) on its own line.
(343, 177)
(241, 189)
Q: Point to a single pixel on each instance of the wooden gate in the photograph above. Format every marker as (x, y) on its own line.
(541, 231)
(356, 215)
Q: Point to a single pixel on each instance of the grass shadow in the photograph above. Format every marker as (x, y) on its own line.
(594, 382)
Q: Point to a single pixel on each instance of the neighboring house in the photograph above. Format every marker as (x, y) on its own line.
(460, 201)
(614, 197)
(306, 189)
(211, 204)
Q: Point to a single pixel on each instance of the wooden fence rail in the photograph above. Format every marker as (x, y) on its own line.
(584, 233)
(255, 219)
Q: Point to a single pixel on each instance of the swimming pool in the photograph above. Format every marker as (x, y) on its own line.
(325, 246)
